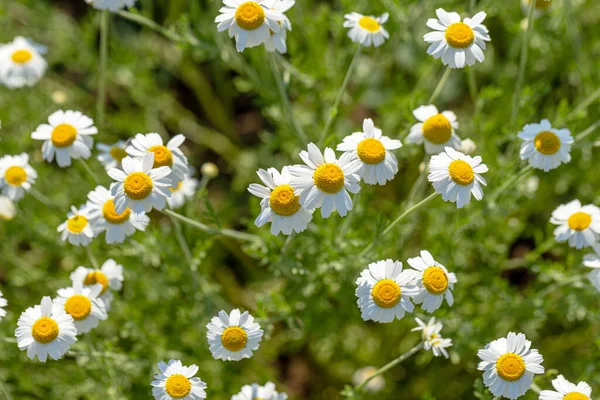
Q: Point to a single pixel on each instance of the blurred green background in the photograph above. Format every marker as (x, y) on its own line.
(511, 274)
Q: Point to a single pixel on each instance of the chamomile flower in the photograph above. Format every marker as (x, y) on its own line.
(186, 189)
(77, 229)
(277, 41)
(176, 381)
(233, 337)
(45, 330)
(16, 176)
(164, 156)
(139, 186)
(249, 22)
(3, 303)
(509, 365)
(21, 63)
(111, 5)
(83, 304)
(457, 43)
(258, 392)
(324, 182)
(374, 385)
(435, 130)
(434, 281)
(7, 208)
(545, 147)
(379, 164)
(565, 390)
(118, 226)
(456, 176)
(429, 330)
(279, 204)
(110, 276)
(384, 291)
(66, 135)
(367, 30)
(578, 224)
(111, 155)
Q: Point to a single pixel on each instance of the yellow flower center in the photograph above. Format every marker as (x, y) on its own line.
(177, 188)
(461, 172)
(283, 201)
(110, 215)
(435, 280)
(250, 16)
(15, 175)
(178, 386)
(78, 306)
(437, 129)
(118, 153)
(459, 35)
(21, 56)
(579, 221)
(162, 156)
(77, 224)
(44, 330)
(369, 24)
(547, 143)
(541, 4)
(510, 367)
(64, 135)
(234, 338)
(371, 151)
(95, 277)
(386, 293)
(575, 396)
(137, 186)
(329, 178)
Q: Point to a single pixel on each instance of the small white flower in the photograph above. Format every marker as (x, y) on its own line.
(110, 276)
(277, 40)
(176, 382)
(434, 282)
(374, 385)
(21, 63)
(432, 340)
(3, 303)
(258, 392)
(233, 337)
(7, 208)
(545, 147)
(367, 30)
(435, 130)
(111, 155)
(565, 390)
(578, 224)
(83, 304)
(16, 176)
(77, 229)
(185, 190)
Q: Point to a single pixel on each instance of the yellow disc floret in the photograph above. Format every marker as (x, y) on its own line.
(386, 293)
(437, 129)
(510, 367)
(63, 135)
(118, 153)
(177, 189)
(250, 16)
(435, 280)
(283, 201)
(370, 151)
(78, 306)
(460, 35)
(110, 215)
(162, 156)
(461, 172)
(329, 178)
(21, 56)
(77, 224)
(547, 143)
(15, 175)
(96, 277)
(575, 396)
(234, 338)
(369, 24)
(178, 386)
(137, 186)
(579, 221)
(44, 330)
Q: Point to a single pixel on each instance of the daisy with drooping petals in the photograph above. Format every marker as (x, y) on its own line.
(277, 41)
(565, 390)
(77, 229)
(384, 291)
(83, 304)
(509, 365)
(164, 156)
(432, 340)
(578, 224)
(234, 336)
(7, 208)
(21, 63)
(324, 182)
(45, 330)
(66, 136)
(457, 43)
(118, 226)
(593, 261)
(249, 22)
(3, 304)
(111, 5)
(139, 186)
(434, 281)
(367, 30)
(186, 189)
(16, 176)
(374, 385)
(279, 204)
(258, 392)
(111, 155)
(435, 130)
(545, 147)
(379, 164)
(176, 381)
(456, 176)
(110, 276)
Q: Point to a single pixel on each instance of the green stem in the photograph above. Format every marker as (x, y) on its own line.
(101, 100)
(185, 248)
(589, 130)
(348, 220)
(556, 285)
(536, 388)
(43, 199)
(523, 63)
(584, 104)
(472, 86)
(440, 86)
(7, 395)
(509, 182)
(89, 170)
(93, 260)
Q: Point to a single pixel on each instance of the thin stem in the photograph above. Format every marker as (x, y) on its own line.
(334, 109)
(89, 170)
(536, 388)
(556, 285)
(440, 86)
(589, 130)
(523, 63)
(342, 232)
(185, 248)
(472, 86)
(286, 244)
(511, 181)
(584, 104)
(93, 260)
(43, 199)
(101, 100)
(7, 395)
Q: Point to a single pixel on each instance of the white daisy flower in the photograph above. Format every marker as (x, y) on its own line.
(457, 43)
(545, 147)
(258, 392)
(432, 340)
(565, 390)
(111, 5)
(379, 164)
(279, 204)
(45, 330)
(384, 291)
(164, 156)
(509, 365)
(176, 382)
(67, 135)
(139, 186)
(456, 176)
(77, 229)
(110, 276)
(324, 182)
(366, 30)
(434, 282)
(374, 385)
(7, 208)
(118, 226)
(3, 303)
(593, 261)
(21, 63)
(435, 130)
(233, 337)
(111, 155)
(438, 346)
(277, 41)
(186, 189)
(249, 22)
(83, 304)
(16, 176)
(578, 224)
